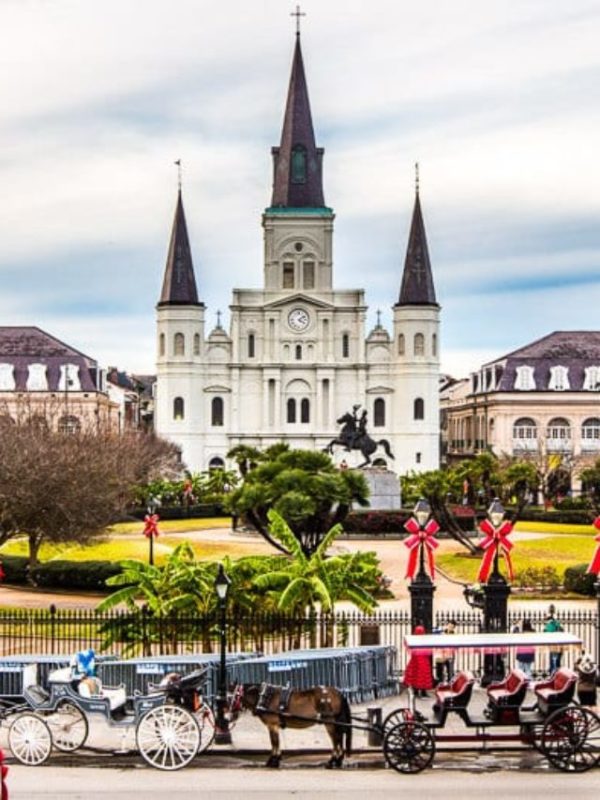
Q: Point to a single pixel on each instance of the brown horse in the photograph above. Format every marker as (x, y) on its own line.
(297, 708)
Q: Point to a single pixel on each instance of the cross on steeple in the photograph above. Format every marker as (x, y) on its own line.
(379, 318)
(218, 319)
(297, 13)
(178, 165)
(417, 177)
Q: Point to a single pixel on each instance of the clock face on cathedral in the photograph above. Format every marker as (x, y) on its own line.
(298, 319)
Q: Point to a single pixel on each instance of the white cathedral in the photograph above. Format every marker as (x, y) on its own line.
(296, 357)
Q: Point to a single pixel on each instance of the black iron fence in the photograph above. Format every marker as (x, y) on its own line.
(42, 631)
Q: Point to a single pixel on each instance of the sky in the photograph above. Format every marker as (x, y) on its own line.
(498, 102)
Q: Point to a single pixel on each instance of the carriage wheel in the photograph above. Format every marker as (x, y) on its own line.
(168, 737)
(531, 733)
(69, 727)
(207, 725)
(399, 715)
(571, 739)
(30, 740)
(409, 747)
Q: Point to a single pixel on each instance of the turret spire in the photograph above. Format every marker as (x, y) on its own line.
(179, 283)
(297, 162)
(417, 280)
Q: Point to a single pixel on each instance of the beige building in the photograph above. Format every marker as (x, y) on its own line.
(541, 401)
(49, 382)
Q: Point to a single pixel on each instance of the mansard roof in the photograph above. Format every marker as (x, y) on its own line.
(417, 287)
(179, 282)
(297, 162)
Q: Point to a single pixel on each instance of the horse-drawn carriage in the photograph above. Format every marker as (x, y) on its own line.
(172, 723)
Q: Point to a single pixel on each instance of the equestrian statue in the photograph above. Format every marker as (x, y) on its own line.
(354, 436)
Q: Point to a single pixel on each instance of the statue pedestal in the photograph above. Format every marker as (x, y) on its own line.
(384, 489)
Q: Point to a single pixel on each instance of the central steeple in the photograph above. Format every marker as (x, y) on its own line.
(297, 162)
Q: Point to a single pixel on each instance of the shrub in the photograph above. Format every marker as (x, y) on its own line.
(15, 568)
(546, 578)
(87, 575)
(564, 517)
(578, 580)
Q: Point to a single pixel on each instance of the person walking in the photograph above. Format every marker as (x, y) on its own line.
(418, 674)
(526, 653)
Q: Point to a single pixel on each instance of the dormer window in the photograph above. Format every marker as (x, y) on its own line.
(7, 377)
(299, 164)
(524, 380)
(37, 380)
(559, 379)
(69, 378)
(591, 382)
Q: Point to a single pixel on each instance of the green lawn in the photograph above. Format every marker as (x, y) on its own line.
(555, 528)
(556, 551)
(173, 525)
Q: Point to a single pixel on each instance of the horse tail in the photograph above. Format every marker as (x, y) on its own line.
(386, 447)
(345, 716)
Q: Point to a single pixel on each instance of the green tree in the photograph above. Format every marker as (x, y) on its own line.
(305, 488)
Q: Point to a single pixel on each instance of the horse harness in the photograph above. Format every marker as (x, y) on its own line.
(268, 692)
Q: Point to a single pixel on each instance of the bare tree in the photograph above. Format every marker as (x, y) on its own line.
(64, 487)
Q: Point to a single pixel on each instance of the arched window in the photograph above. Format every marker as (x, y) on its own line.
(304, 410)
(196, 344)
(419, 408)
(345, 345)
(298, 352)
(434, 345)
(379, 412)
(179, 344)
(401, 345)
(525, 428)
(251, 351)
(178, 408)
(288, 275)
(69, 424)
(590, 430)
(161, 344)
(558, 429)
(419, 344)
(216, 463)
(299, 164)
(216, 411)
(291, 410)
(308, 270)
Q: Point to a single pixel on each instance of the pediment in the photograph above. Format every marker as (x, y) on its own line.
(380, 390)
(217, 389)
(299, 297)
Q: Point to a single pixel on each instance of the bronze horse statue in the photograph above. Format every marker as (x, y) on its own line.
(279, 707)
(354, 436)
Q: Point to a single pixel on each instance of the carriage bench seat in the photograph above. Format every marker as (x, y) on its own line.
(455, 695)
(115, 695)
(509, 692)
(556, 692)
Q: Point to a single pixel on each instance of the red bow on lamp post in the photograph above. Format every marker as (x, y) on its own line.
(421, 539)
(494, 544)
(151, 525)
(594, 567)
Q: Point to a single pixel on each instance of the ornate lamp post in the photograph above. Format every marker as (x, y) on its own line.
(496, 589)
(421, 543)
(151, 526)
(222, 732)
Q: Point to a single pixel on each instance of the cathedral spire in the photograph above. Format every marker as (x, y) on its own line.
(297, 162)
(417, 280)
(179, 283)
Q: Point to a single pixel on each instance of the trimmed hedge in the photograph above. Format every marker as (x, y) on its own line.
(379, 522)
(87, 575)
(578, 580)
(566, 517)
(181, 512)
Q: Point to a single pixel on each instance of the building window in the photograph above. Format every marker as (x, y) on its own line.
(288, 275)
(37, 380)
(216, 411)
(419, 408)
(178, 408)
(345, 346)
(309, 274)
(524, 380)
(291, 410)
(379, 412)
(418, 458)
(434, 345)
(161, 344)
(401, 345)
(216, 463)
(590, 430)
(299, 164)
(298, 352)
(591, 382)
(179, 344)
(559, 379)
(251, 351)
(304, 410)
(68, 379)
(196, 344)
(525, 428)
(558, 429)
(419, 344)
(69, 424)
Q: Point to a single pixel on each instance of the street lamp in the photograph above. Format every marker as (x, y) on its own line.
(151, 526)
(421, 586)
(222, 732)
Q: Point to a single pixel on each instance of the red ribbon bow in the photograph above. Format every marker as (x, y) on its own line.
(421, 537)
(495, 541)
(151, 525)
(594, 567)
